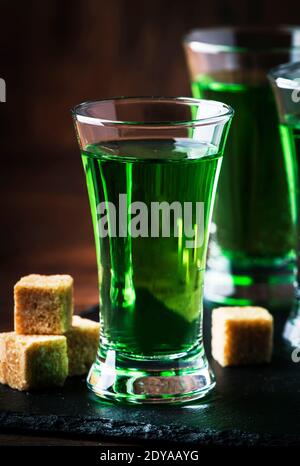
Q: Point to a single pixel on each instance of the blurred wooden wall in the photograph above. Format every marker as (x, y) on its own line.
(57, 53)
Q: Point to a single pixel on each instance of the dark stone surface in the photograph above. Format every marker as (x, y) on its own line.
(250, 406)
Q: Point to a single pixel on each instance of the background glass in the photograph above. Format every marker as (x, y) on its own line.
(252, 258)
(285, 82)
(159, 150)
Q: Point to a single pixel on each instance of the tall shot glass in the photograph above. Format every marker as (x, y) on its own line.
(285, 81)
(151, 166)
(251, 257)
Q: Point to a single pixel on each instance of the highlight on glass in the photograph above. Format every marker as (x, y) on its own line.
(285, 81)
(151, 166)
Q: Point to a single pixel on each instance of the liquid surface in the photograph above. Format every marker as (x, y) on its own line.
(151, 287)
(253, 211)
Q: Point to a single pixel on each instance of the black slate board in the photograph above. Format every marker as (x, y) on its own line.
(250, 406)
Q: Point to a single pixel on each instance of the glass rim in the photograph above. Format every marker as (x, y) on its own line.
(80, 116)
(207, 47)
(284, 69)
(280, 75)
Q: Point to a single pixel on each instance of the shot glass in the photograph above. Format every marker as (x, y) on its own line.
(285, 81)
(151, 167)
(251, 254)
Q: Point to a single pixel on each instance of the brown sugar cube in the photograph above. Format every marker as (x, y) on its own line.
(43, 304)
(242, 335)
(82, 341)
(33, 361)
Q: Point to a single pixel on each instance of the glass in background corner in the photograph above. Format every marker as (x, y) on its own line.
(285, 82)
(252, 256)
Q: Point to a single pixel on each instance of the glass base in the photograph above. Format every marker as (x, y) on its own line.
(233, 283)
(173, 379)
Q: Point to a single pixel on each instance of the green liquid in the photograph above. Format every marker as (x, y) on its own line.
(151, 288)
(290, 138)
(253, 211)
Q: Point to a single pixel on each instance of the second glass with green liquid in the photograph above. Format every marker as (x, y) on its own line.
(253, 225)
(252, 258)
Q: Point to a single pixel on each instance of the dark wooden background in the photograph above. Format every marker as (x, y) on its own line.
(55, 54)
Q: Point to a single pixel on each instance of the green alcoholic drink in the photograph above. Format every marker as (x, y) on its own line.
(285, 83)
(152, 167)
(254, 228)
(252, 256)
(151, 287)
(252, 210)
(290, 138)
